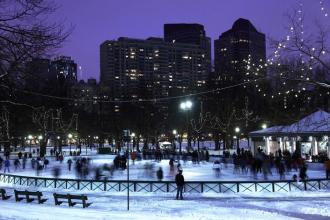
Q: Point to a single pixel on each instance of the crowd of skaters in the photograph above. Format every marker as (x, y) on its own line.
(282, 163)
(244, 163)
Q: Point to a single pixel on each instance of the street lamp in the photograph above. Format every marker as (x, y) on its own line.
(174, 132)
(186, 106)
(70, 137)
(133, 141)
(39, 139)
(237, 130)
(30, 137)
(264, 126)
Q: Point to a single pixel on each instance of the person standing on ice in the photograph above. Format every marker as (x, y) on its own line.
(7, 165)
(179, 180)
(327, 168)
(160, 174)
(303, 173)
(69, 164)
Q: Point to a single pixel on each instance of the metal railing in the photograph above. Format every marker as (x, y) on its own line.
(168, 186)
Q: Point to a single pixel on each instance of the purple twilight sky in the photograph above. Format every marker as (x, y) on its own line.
(99, 20)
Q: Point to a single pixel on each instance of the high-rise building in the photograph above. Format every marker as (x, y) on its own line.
(86, 95)
(65, 67)
(65, 70)
(240, 52)
(189, 34)
(151, 68)
(39, 76)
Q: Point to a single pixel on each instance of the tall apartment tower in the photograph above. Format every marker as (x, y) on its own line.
(65, 70)
(65, 67)
(151, 68)
(189, 34)
(238, 51)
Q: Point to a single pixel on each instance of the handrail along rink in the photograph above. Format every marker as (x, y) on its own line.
(166, 186)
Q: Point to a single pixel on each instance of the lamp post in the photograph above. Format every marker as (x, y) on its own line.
(264, 126)
(237, 130)
(186, 106)
(174, 132)
(88, 143)
(40, 139)
(133, 139)
(70, 137)
(59, 145)
(30, 137)
(97, 140)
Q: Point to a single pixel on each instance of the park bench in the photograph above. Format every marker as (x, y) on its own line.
(4, 194)
(69, 199)
(27, 194)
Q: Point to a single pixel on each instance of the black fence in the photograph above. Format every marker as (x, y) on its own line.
(167, 186)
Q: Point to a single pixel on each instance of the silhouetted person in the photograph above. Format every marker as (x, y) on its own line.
(160, 174)
(69, 164)
(327, 168)
(303, 173)
(7, 165)
(56, 172)
(179, 180)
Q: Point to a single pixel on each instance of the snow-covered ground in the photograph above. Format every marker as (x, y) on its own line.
(145, 206)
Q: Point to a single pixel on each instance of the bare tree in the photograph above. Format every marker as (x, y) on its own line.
(4, 128)
(310, 50)
(51, 122)
(199, 125)
(25, 33)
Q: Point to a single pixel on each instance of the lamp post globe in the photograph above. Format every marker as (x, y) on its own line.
(237, 130)
(70, 137)
(186, 106)
(30, 137)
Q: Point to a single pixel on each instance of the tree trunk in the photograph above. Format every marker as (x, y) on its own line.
(43, 145)
(6, 146)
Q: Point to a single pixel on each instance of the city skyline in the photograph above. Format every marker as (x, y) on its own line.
(218, 17)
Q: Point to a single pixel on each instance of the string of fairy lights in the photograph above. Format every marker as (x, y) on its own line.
(307, 63)
(324, 11)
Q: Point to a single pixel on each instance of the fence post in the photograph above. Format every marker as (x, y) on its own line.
(202, 187)
(305, 185)
(273, 186)
(237, 186)
(290, 186)
(105, 186)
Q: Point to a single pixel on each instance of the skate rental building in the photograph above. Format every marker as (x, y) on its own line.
(309, 136)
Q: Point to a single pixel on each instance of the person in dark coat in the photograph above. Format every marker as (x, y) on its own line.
(179, 180)
(160, 174)
(303, 173)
